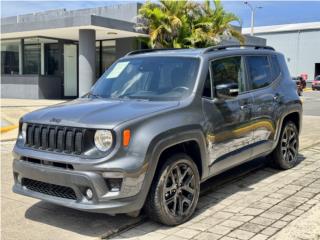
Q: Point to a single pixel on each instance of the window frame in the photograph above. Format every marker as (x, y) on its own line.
(279, 66)
(249, 80)
(244, 63)
(24, 59)
(204, 84)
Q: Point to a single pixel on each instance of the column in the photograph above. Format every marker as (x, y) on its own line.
(87, 60)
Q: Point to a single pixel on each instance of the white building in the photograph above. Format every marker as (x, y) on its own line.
(300, 43)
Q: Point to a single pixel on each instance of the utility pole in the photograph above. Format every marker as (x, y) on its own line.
(253, 12)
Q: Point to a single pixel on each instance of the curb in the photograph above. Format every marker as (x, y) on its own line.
(8, 128)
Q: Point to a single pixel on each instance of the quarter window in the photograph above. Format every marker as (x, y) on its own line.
(259, 71)
(229, 70)
(207, 87)
(275, 67)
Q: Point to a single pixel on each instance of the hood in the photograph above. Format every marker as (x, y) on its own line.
(96, 113)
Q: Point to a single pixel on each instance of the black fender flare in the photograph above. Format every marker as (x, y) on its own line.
(166, 140)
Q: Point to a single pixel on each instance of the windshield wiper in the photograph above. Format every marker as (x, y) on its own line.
(125, 96)
(94, 95)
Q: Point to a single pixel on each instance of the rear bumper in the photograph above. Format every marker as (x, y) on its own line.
(103, 201)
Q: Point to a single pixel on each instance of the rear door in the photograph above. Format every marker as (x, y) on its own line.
(263, 73)
(228, 121)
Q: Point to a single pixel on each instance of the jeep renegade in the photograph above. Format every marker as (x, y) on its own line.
(157, 124)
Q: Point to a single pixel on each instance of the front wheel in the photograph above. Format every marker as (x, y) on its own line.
(175, 190)
(285, 155)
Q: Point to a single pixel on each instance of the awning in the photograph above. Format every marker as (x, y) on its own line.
(68, 28)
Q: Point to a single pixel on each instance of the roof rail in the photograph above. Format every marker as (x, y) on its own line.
(151, 50)
(223, 47)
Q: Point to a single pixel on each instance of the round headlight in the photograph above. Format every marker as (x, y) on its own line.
(24, 132)
(103, 140)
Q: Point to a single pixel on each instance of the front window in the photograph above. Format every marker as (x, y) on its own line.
(317, 78)
(152, 78)
(228, 71)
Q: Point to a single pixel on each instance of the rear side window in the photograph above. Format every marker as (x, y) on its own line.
(259, 71)
(276, 70)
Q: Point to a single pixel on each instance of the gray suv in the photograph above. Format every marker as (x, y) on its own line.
(157, 124)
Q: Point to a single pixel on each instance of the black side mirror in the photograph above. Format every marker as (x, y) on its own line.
(228, 90)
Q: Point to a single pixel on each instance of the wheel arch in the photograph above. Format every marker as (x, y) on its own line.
(295, 117)
(166, 142)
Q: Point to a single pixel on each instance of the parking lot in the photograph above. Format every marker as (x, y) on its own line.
(240, 204)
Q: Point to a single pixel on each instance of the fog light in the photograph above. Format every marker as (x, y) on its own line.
(114, 184)
(89, 194)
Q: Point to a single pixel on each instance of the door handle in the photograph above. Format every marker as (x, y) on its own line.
(244, 107)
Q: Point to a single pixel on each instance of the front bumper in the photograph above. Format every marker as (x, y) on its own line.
(129, 199)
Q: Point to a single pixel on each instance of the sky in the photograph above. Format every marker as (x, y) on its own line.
(271, 13)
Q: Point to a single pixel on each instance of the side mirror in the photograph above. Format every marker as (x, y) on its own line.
(228, 90)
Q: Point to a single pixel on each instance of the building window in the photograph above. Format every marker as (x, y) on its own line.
(41, 56)
(10, 57)
(105, 55)
(52, 59)
(108, 54)
(31, 60)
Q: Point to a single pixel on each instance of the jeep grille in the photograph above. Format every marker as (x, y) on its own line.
(54, 138)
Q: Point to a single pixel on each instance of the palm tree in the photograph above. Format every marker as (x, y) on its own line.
(177, 24)
(163, 22)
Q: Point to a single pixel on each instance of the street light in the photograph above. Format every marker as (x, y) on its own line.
(253, 11)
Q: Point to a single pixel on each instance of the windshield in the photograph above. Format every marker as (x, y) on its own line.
(151, 78)
(318, 78)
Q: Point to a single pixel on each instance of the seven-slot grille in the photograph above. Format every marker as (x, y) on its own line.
(54, 138)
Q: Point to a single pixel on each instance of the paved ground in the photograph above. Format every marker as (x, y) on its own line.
(311, 103)
(13, 109)
(259, 204)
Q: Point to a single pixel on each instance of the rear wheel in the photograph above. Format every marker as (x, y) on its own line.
(285, 155)
(174, 192)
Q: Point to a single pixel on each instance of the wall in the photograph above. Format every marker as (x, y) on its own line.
(301, 49)
(50, 87)
(30, 87)
(125, 45)
(125, 12)
(15, 86)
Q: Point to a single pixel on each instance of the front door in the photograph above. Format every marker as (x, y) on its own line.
(229, 133)
(70, 83)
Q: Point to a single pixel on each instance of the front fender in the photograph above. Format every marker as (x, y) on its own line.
(168, 139)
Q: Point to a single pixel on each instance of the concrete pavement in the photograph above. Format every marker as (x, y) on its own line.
(311, 100)
(266, 203)
(13, 109)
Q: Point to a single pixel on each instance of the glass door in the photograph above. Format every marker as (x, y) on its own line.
(70, 84)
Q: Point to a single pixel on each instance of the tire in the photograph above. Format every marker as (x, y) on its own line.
(165, 197)
(285, 155)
